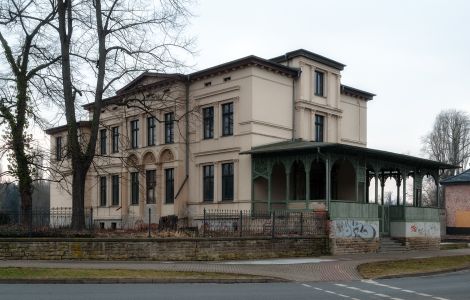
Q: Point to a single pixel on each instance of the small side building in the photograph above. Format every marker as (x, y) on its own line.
(457, 199)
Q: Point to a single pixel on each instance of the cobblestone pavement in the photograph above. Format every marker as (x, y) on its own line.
(329, 268)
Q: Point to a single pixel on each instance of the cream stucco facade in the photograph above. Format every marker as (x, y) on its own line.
(292, 97)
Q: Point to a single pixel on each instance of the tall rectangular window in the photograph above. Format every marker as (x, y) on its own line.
(151, 182)
(103, 191)
(115, 190)
(115, 139)
(169, 118)
(227, 119)
(208, 178)
(208, 116)
(227, 181)
(135, 134)
(319, 83)
(58, 148)
(134, 188)
(319, 127)
(151, 131)
(169, 186)
(103, 141)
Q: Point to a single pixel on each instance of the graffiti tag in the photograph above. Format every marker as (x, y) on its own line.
(355, 229)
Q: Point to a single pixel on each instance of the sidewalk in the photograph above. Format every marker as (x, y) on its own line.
(327, 268)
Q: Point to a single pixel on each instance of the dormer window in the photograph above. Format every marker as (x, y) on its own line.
(319, 83)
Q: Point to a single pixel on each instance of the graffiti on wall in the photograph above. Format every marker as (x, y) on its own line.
(424, 229)
(355, 229)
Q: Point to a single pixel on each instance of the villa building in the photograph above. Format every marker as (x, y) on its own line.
(262, 134)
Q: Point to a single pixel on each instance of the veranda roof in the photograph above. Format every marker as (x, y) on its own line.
(309, 146)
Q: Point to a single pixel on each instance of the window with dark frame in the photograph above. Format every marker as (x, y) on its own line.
(227, 119)
(169, 186)
(319, 127)
(151, 182)
(319, 83)
(227, 181)
(103, 191)
(208, 183)
(115, 139)
(115, 190)
(135, 134)
(151, 124)
(103, 139)
(58, 148)
(169, 133)
(134, 188)
(208, 116)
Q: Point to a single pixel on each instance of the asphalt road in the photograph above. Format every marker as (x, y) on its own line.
(437, 287)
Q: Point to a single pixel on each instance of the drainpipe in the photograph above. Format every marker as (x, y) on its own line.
(293, 109)
(186, 165)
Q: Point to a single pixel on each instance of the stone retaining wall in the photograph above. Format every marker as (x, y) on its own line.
(354, 245)
(422, 243)
(161, 249)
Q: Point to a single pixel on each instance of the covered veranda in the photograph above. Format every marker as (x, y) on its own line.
(347, 181)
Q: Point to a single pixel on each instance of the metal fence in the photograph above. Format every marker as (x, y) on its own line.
(258, 223)
(56, 221)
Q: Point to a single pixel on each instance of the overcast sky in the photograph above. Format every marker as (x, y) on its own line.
(415, 55)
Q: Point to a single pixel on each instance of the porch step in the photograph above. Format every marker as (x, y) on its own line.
(391, 245)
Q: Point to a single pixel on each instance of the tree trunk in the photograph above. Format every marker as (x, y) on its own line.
(19, 143)
(78, 197)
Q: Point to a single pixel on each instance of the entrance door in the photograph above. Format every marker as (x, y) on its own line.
(384, 220)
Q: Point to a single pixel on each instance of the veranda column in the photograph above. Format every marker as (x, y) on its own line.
(415, 198)
(404, 189)
(327, 183)
(382, 187)
(269, 191)
(376, 177)
(367, 184)
(307, 184)
(287, 187)
(398, 188)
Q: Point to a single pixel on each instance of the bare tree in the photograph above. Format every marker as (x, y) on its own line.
(449, 140)
(114, 40)
(27, 54)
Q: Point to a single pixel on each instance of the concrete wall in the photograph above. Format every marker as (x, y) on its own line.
(161, 249)
(417, 235)
(354, 236)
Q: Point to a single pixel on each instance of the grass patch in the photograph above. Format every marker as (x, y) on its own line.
(413, 266)
(71, 273)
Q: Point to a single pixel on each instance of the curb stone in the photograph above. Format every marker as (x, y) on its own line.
(137, 280)
(423, 273)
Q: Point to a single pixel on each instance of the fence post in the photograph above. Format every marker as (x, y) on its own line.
(150, 210)
(273, 223)
(31, 222)
(301, 223)
(204, 223)
(241, 222)
(91, 219)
